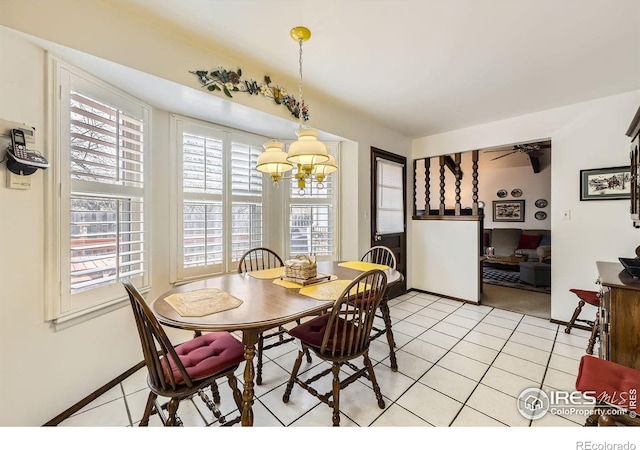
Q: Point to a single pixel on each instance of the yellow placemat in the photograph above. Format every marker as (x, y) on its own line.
(268, 274)
(286, 284)
(202, 302)
(363, 266)
(330, 290)
(293, 284)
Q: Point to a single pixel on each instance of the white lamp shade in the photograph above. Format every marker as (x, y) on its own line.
(273, 160)
(327, 167)
(307, 150)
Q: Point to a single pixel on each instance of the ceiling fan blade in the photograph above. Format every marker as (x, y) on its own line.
(535, 153)
(492, 151)
(502, 156)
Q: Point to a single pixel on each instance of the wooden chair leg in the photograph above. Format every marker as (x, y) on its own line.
(306, 350)
(576, 313)
(215, 392)
(212, 406)
(237, 395)
(292, 378)
(336, 394)
(172, 412)
(374, 382)
(147, 409)
(384, 308)
(592, 420)
(606, 420)
(595, 332)
(259, 363)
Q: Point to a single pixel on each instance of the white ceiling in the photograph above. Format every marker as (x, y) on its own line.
(421, 67)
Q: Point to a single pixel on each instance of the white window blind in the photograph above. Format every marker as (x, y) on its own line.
(389, 207)
(101, 146)
(246, 193)
(202, 185)
(107, 231)
(220, 198)
(312, 216)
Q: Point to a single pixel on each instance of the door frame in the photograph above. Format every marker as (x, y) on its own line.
(401, 259)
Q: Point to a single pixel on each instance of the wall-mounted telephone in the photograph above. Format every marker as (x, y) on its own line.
(22, 161)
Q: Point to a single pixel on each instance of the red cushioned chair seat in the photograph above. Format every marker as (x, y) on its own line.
(590, 297)
(312, 332)
(206, 355)
(612, 383)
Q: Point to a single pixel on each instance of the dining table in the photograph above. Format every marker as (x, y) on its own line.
(266, 301)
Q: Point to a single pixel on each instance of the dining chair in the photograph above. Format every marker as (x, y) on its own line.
(615, 388)
(182, 371)
(383, 255)
(340, 336)
(590, 297)
(261, 258)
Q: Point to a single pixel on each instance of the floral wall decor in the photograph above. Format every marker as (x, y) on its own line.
(229, 81)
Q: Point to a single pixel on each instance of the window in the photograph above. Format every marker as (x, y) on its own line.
(312, 216)
(220, 198)
(390, 197)
(100, 153)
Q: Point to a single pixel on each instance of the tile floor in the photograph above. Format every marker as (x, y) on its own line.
(459, 365)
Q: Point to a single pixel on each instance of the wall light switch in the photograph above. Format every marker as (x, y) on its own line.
(566, 214)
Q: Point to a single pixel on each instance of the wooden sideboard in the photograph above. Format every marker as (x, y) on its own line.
(619, 315)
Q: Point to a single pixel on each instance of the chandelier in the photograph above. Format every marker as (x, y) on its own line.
(307, 153)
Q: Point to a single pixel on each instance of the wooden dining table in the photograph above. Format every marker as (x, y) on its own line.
(265, 305)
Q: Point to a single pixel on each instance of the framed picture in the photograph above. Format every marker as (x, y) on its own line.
(610, 183)
(508, 210)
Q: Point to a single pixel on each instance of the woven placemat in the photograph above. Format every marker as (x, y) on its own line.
(202, 302)
(268, 274)
(362, 266)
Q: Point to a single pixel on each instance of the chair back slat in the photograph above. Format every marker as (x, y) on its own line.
(259, 258)
(350, 322)
(380, 255)
(159, 354)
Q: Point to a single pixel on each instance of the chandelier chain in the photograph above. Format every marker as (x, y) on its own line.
(300, 84)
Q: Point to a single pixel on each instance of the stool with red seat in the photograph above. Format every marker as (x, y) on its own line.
(592, 298)
(615, 388)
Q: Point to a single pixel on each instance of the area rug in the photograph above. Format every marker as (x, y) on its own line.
(509, 278)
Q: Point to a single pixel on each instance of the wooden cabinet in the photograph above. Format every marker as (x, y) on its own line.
(634, 133)
(619, 315)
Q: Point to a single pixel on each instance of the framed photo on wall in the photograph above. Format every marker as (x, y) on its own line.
(508, 210)
(610, 183)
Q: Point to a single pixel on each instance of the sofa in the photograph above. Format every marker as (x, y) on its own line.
(534, 244)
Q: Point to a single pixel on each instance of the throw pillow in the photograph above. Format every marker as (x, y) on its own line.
(546, 239)
(529, 241)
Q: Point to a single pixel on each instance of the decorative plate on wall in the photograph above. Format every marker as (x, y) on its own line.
(541, 203)
(540, 215)
(516, 193)
(501, 193)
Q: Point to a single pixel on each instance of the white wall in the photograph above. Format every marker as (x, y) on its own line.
(584, 136)
(534, 186)
(43, 371)
(445, 258)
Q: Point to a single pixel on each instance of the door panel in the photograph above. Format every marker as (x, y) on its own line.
(389, 209)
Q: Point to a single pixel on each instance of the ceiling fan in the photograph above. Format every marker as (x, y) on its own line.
(533, 150)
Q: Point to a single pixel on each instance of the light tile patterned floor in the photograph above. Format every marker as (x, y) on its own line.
(459, 365)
